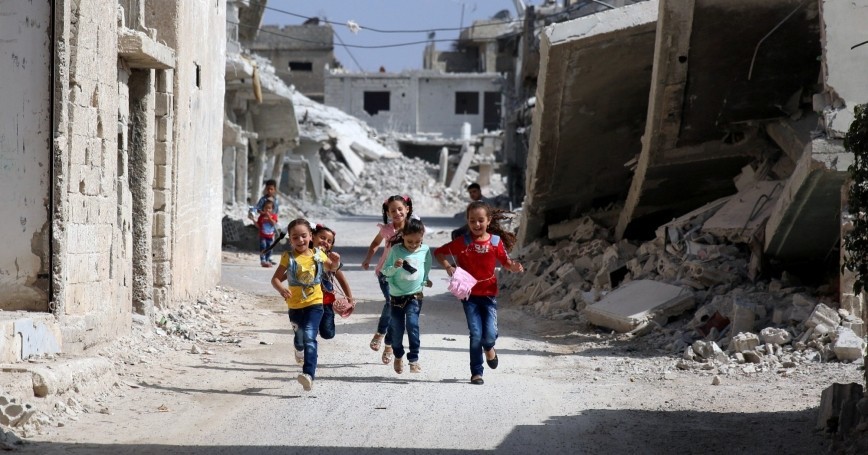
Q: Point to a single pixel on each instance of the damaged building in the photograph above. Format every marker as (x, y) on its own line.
(111, 139)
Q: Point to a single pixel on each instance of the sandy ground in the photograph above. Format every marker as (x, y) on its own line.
(557, 389)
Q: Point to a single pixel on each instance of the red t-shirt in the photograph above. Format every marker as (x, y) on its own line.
(267, 224)
(479, 259)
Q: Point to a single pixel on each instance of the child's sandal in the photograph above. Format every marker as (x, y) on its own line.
(388, 355)
(415, 367)
(399, 365)
(377, 341)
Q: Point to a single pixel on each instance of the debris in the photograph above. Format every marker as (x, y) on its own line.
(627, 307)
(848, 346)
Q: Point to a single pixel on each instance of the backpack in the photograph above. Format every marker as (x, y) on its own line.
(495, 239)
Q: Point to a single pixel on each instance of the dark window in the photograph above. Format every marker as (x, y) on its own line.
(198, 76)
(491, 111)
(376, 102)
(466, 102)
(300, 66)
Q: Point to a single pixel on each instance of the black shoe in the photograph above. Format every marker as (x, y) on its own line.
(477, 381)
(492, 363)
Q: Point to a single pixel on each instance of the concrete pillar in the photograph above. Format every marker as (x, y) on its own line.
(141, 168)
(444, 165)
(242, 192)
(467, 152)
(258, 172)
(316, 184)
(229, 175)
(279, 162)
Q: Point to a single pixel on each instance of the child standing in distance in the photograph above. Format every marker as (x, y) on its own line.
(477, 252)
(267, 224)
(397, 209)
(303, 268)
(406, 268)
(324, 238)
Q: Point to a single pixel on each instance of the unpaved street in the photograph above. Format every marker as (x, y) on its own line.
(557, 390)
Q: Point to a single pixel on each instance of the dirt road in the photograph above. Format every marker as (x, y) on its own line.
(556, 390)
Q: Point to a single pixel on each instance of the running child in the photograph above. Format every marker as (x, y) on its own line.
(267, 224)
(324, 238)
(397, 209)
(303, 268)
(478, 252)
(406, 268)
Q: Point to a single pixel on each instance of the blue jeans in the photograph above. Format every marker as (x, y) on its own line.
(481, 313)
(407, 317)
(306, 321)
(326, 328)
(263, 244)
(386, 314)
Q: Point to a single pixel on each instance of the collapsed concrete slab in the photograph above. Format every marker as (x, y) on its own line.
(811, 197)
(717, 68)
(592, 98)
(637, 302)
(744, 214)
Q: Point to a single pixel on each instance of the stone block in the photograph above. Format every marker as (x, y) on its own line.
(160, 249)
(744, 341)
(743, 315)
(833, 401)
(162, 104)
(631, 305)
(823, 315)
(163, 153)
(579, 229)
(162, 273)
(161, 200)
(164, 128)
(751, 357)
(802, 307)
(856, 325)
(848, 346)
(162, 226)
(775, 336)
(162, 177)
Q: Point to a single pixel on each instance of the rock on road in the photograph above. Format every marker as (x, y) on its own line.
(556, 390)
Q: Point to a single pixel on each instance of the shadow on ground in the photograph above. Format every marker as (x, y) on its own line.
(593, 431)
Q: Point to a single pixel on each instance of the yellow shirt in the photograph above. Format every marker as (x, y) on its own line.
(304, 296)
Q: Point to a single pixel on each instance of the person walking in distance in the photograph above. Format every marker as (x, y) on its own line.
(396, 210)
(303, 267)
(477, 252)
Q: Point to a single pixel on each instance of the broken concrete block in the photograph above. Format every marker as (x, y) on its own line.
(579, 229)
(625, 308)
(775, 336)
(856, 325)
(823, 315)
(751, 357)
(744, 341)
(743, 315)
(848, 346)
(833, 403)
(802, 307)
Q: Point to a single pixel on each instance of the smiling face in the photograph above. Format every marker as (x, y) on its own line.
(324, 239)
(478, 221)
(412, 242)
(300, 236)
(397, 212)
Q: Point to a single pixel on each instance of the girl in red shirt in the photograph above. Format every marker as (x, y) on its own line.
(478, 252)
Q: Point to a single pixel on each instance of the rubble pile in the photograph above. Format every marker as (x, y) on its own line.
(581, 273)
(198, 321)
(406, 176)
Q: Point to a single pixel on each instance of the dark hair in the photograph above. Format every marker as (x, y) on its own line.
(268, 201)
(405, 199)
(412, 226)
(320, 228)
(270, 182)
(496, 216)
(474, 186)
(297, 222)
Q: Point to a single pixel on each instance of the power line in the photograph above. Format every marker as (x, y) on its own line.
(354, 46)
(350, 53)
(377, 30)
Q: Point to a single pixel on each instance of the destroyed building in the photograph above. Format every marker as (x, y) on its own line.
(111, 139)
(301, 54)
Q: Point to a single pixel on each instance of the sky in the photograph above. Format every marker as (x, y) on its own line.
(388, 15)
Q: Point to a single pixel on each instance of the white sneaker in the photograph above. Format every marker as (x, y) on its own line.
(306, 381)
(299, 357)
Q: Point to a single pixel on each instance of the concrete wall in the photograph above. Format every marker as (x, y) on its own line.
(419, 102)
(25, 154)
(195, 179)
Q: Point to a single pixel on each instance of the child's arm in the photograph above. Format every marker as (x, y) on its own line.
(345, 285)
(390, 266)
(332, 261)
(440, 257)
(277, 282)
(371, 250)
(503, 257)
(427, 267)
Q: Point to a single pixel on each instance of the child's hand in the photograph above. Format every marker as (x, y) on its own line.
(285, 293)
(428, 283)
(365, 265)
(334, 257)
(399, 263)
(516, 267)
